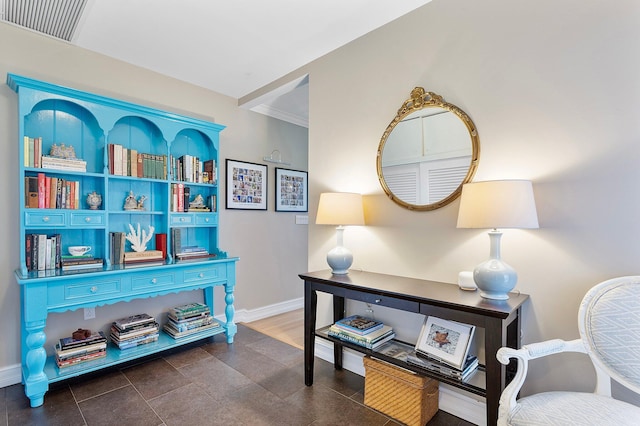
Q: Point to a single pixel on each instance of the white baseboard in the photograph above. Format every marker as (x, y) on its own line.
(10, 375)
(451, 399)
(245, 315)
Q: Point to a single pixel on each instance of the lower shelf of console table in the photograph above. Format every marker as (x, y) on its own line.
(116, 356)
(58, 292)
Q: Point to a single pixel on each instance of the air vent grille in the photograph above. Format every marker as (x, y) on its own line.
(57, 18)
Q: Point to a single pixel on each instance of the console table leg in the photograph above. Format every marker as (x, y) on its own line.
(229, 312)
(338, 314)
(310, 305)
(36, 382)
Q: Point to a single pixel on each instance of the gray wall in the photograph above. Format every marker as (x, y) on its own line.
(553, 89)
(272, 249)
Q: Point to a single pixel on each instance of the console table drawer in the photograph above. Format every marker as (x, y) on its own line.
(87, 219)
(205, 219)
(181, 219)
(205, 274)
(90, 290)
(44, 219)
(154, 281)
(387, 301)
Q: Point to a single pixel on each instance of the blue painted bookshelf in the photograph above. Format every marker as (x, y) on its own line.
(141, 162)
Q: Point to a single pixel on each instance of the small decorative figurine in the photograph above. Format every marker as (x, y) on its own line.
(139, 239)
(198, 202)
(130, 202)
(62, 151)
(94, 200)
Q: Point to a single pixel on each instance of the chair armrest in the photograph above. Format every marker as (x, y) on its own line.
(523, 355)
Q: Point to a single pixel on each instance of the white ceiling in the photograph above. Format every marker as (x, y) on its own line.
(233, 47)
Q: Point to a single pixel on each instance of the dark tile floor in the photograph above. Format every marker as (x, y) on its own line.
(255, 381)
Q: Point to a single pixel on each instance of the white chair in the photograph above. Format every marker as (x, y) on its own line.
(609, 324)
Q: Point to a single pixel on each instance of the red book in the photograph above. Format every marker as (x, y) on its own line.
(47, 192)
(161, 244)
(41, 190)
(180, 197)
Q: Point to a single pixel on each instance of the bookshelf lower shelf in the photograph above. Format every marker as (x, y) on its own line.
(395, 352)
(117, 356)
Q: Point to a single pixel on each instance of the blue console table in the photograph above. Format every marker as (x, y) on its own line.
(58, 293)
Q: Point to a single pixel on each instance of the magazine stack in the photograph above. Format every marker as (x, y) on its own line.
(189, 319)
(85, 347)
(443, 348)
(133, 331)
(362, 331)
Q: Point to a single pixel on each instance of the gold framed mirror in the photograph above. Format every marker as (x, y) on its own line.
(428, 151)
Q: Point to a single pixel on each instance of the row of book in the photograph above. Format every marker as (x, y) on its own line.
(70, 351)
(189, 319)
(362, 331)
(43, 253)
(189, 168)
(129, 162)
(46, 192)
(181, 196)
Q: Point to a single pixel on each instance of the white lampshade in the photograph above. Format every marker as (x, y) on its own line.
(340, 208)
(497, 204)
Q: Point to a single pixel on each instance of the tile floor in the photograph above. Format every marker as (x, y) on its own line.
(255, 381)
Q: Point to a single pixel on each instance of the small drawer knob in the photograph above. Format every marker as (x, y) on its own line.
(94, 289)
(207, 220)
(87, 219)
(45, 219)
(154, 281)
(378, 300)
(182, 219)
(201, 275)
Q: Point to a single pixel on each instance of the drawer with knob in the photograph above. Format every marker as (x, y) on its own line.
(205, 274)
(154, 281)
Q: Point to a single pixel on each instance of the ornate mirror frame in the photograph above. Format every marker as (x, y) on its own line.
(418, 101)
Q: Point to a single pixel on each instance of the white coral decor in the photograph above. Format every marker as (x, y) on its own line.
(139, 240)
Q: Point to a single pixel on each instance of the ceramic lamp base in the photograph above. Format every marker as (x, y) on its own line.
(494, 278)
(340, 260)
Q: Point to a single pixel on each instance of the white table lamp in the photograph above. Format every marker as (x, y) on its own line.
(341, 209)
(497, 204)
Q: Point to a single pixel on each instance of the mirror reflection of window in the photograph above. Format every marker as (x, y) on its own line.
(427, 156)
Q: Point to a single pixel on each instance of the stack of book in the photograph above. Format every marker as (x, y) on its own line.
(362, 331)
(133, 331)
(470, 366)
(84, 263)
(193, 252)
(70, 351)
(143, 258)
(188, 319)
(59, 163)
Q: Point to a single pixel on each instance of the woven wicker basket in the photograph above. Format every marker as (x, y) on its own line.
(399, 393)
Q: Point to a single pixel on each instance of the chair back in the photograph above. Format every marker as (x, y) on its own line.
(609, 323)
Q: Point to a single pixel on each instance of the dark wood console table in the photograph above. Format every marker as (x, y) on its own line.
(500, 319)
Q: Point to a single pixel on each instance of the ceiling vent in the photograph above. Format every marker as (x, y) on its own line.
(57, 18)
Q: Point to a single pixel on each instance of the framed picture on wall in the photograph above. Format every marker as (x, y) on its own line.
(291, 190)
(246, 185)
